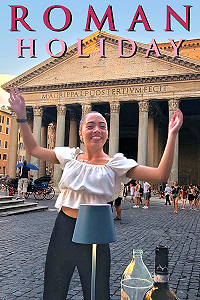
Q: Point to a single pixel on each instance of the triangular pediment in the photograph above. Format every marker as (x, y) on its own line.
(71, 69)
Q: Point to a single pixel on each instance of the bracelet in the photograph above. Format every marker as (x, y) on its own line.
(22, 120)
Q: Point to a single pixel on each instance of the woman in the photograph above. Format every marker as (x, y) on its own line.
(191, 196)
(90, 177)
(184, 196)
(196, 197)
(137, 195)
(175, 190)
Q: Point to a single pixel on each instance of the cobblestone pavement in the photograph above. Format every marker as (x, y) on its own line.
(24, 241)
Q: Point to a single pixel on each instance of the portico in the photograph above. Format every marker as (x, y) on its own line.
(136, 95)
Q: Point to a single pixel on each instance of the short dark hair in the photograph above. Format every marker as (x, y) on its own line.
(25, 162)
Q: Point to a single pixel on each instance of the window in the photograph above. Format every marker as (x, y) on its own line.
(4, 156)
(0, 143)
(8, 121)
(6, 144)
(7, 130)
(1, 119)
(0, 155)
(0, 128)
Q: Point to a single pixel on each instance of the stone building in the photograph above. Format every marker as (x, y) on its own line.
(137, 95)
(4, 139)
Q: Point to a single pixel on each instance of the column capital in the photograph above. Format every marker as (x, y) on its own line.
(86, 108)
(173, 104)
(143, 105)
(114, 106)
(37, 111)
(61, 109)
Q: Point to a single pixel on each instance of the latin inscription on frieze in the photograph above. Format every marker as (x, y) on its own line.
(106, 92)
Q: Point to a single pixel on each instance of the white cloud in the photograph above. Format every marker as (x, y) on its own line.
(4, 95)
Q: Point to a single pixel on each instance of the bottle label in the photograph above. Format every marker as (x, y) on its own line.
(161, 278)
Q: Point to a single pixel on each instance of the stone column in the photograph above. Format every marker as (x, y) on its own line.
(73, 130)
(37, 126)
(30, 123)
(161, 143)
(150, 142)
(143, 132)
(156, 139)
(60, 139)
(173, 105)
(86, 108)
(12, 157)
(114, 128)
(42, 168)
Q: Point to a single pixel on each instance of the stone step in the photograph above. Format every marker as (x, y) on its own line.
(10, 202)
(5, 198)
(22, 211)
(17, 206)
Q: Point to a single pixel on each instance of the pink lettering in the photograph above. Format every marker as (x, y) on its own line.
(48, 47)
(120, 49)
(80, 49)
(21, 47)
(176, 48)
(155, 49)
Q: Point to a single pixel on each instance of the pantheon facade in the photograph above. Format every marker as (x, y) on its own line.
(137, 95)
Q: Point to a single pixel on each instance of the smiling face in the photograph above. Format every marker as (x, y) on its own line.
(94, 132)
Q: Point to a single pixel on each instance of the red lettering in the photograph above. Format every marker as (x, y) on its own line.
(108, 14)
(46, 18)
(15, 19)
(143, 20)
(170, 12)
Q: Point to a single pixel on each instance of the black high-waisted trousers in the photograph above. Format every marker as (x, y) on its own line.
(63, 256)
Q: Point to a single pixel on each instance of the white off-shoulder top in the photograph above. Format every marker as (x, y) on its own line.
(85, 183)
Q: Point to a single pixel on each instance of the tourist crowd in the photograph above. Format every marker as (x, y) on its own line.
(174, 194)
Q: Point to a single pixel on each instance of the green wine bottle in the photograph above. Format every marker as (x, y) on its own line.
(160, 289)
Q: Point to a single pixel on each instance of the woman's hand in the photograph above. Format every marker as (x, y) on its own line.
(176, 122)
(161, 174)
(17, 103)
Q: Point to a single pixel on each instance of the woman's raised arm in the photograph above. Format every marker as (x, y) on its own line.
(162, 172)
(17, 103)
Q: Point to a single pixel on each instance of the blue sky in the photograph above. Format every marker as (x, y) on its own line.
(123, 12)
